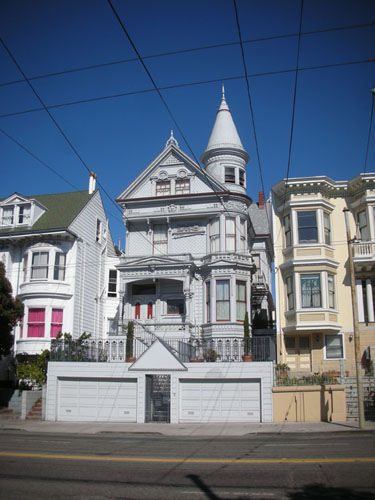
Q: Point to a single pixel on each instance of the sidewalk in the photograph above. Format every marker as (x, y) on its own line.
(194, 430)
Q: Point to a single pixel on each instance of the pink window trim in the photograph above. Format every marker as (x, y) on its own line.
(56, 322)
(35, 324)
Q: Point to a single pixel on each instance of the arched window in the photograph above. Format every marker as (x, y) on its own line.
(137, 310)
(149, 310)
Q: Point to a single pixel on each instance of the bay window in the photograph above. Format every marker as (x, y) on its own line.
(230, 234)
(222, 300)
(36, 322)
(307, 227)
(160, 243)
(310, 291)
(56, 322)
(243, 236)
(287, 231)
(208, 302)
(290, 292)
(331, 291)
(215, 235)
(240, 300)
(59, 268)
(327, 228)
(39, 266)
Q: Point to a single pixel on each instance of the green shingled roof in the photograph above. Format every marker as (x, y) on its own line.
(62, 209)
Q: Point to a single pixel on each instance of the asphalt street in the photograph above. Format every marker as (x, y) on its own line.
(138, 466)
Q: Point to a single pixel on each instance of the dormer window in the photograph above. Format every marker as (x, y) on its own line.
(24, 214)
(14, 215)
(8, 216)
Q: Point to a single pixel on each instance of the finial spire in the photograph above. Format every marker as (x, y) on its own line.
(222, 92)
(171, 140)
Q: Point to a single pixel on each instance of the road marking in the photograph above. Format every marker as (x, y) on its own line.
(190, 460)
(303, 444)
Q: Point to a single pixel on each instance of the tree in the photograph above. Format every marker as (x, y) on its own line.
(129, 340)
(246, 336)
(11, 311)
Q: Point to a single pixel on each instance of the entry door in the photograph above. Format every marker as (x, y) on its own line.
(158, 398)
(298, 353)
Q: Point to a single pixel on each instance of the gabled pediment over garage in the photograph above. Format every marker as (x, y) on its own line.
(159, 356)
(171, 173)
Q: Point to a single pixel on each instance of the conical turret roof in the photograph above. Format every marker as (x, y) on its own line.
(224, 134)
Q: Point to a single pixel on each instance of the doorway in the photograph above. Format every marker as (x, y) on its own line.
(298, 352)
(158, 398)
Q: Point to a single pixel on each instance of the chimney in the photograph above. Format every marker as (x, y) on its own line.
(261, 199)
(92, 182)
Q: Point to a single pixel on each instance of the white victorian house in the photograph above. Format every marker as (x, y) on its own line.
(188, 269)
(55, 249)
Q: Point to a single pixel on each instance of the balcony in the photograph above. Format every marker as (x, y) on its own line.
(364, 253)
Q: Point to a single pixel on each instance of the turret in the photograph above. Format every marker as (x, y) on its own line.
(225, 158)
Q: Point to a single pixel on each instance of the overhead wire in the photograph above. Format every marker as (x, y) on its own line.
(42, 162)
(250, 106)
(186, 51)
(370, 127)
(52, 118)
(188, 84)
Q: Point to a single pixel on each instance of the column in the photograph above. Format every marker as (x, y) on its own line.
(370, 303)
(361, 311)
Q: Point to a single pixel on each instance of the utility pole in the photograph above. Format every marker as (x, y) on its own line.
(355, 325)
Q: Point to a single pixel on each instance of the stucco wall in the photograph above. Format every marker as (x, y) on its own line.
(309, 403)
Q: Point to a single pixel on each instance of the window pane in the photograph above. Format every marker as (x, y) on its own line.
(310, 290)
(56, 322)
(327, 229)
(39, 269)
(59, 269)
(222, 300)
(307, 228)
(334, 347)
(331, 291)
(112, 283)
(35, 324)
(222, 311)
(163, 188)
(230, 175)
(222, 290)
(182, 186)
(175, 306)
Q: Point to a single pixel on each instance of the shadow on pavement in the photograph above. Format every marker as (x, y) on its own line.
(322, 492)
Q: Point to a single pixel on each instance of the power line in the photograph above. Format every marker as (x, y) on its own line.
(52, 118)
(186, 51)
(189, 84)
(250, 104)
(370, 127)
(19, 144)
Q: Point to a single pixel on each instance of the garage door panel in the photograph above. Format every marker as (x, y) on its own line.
(218, 401)
(97, 400)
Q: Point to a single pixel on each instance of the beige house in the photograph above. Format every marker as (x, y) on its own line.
(312, 284)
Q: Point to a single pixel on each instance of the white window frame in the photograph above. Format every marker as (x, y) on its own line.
(230, 237)
(160, 245)
(214, 237)
(38, 266)
(112, 280)
(316, 226)
(312, 276)
(326, 358)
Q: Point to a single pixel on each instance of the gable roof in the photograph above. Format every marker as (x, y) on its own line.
(61, 210)
(171, 153)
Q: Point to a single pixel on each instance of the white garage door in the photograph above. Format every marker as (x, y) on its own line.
(97, 400)
(219, 401)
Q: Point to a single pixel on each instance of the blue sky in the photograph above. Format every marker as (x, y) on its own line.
(119, 136)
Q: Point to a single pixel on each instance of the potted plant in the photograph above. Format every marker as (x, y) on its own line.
(210, 355)
(247, 354)
(129, 343)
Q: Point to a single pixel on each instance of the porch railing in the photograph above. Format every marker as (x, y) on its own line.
(364, 249)
(210, 350)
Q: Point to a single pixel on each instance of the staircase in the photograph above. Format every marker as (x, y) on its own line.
(36, 412)
(8, 414)
(368, 384)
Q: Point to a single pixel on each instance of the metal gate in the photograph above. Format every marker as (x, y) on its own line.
(158, 398)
